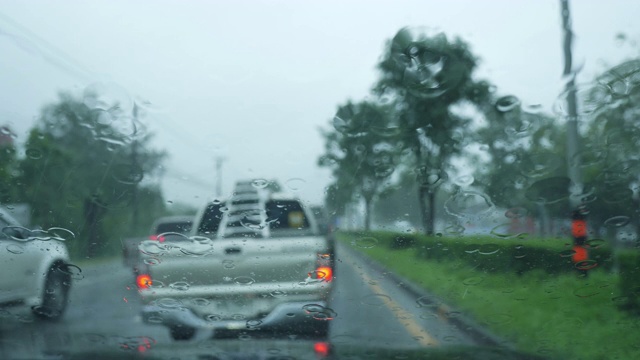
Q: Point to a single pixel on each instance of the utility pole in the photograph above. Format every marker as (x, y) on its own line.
(219, 161)
(134, 167)
(578, 218)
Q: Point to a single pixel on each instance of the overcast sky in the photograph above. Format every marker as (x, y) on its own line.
(253, 81)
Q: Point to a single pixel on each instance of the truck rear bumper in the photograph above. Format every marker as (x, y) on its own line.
(291, 317)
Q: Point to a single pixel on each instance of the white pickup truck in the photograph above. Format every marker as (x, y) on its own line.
(256, 262)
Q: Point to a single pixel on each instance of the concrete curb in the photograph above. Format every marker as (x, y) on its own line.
(463, 322)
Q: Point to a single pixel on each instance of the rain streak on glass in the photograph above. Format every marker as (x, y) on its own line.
(366, 242)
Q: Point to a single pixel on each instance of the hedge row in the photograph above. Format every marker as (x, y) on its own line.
(491, 254)
(629, 261)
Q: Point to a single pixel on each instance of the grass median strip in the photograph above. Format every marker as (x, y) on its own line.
(557, 315)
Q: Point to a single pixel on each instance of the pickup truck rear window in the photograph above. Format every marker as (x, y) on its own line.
(211, 219)
(286, 215)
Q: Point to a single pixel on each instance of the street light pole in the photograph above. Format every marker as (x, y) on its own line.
(219, 161)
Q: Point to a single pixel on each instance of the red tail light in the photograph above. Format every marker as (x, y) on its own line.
(322, 348)
(143, 281)
(325, 272)
(159, 238)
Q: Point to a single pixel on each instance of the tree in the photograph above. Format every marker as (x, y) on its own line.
(87, 171)
(428, 75)
(360, 155)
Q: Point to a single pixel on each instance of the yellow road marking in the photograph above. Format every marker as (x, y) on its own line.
(404, 317)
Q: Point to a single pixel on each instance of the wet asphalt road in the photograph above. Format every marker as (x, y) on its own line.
(103, 313)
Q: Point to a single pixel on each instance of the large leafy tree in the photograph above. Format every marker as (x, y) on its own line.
(361, 152)
(428, 76)
(83, 170)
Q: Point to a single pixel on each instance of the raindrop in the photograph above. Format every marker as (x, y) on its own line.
(567, 253)
(500, 319)
(488, 249)
(617, 221)
(61, 234)
(253, 324)
(33, 153)
(244, 337)
(454, 229)
(72, 270)
(15, 249)
(425, 301)
(507, 103)
(153, 248)
(468, 203)
(295, 184)
(464, 180)
(596, 243)
(213, 317)
(228, 264)
(366, 242)
(326, 314)
(471, 248)
(502, 230)
(152, 261)
(550, 190)
(278, 293)
(375, 300)
(516, 213)
(169, 303)
(586, 265)
(128, 173)
(155, 319)
(386, 131)
(475, 280)
(244, 280)
(260, 183)
(180, 285)
(200, 302)
(238, 317)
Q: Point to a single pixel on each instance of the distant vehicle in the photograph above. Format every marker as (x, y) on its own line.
(162, 228)
(255, 262)
(34, 268)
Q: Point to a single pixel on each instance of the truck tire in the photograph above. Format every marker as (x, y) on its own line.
(55, 295)
(181, 332)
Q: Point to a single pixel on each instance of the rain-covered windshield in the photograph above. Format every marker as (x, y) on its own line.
(338, 179)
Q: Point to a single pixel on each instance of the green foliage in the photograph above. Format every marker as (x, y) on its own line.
(89, 176)
(494, 255)
(629, 261)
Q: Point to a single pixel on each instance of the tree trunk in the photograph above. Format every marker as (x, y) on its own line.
(367, 213)
(432, 213)
(422, 192)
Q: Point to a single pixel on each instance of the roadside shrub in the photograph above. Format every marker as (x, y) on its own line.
(629, 261)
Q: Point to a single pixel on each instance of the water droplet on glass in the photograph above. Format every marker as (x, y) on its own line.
(468, 203)
(295, 184)
(567, 253)
(72, 270)
(586, 265)
(33, 153)
(366, 242)
(253, 324)
(464, 180)
(595, 243)
(60, 234)
(516, 213)
(278, 293)
(15, 248)
(475, 280)
(488, 249)
(617, 221)
(260, 183)
(244, 280)
(507, 103)
(375, 300)
(586, 291)
(169, 303)
(180, 285)
(502, 230)
(213, 317)
(224, 209)
(228, 264)
(128, 173)
(152, 261)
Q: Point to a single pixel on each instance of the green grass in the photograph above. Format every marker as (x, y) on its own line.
(562, 316)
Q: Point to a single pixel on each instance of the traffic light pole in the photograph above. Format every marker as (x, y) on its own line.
(578, 218)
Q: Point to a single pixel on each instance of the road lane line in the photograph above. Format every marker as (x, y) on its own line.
(404, 317)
